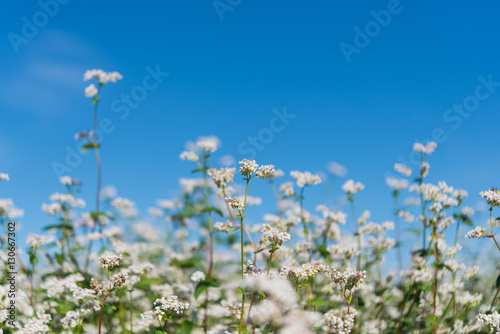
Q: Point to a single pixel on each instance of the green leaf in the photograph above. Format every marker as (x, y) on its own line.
(414, 230)
(90, 146)
(318, 302)
(59, 226)
(203, 286)
(498, 282)
(240, 291)
(259, 250)
(201, 169)
(212, 209)
(303, 284)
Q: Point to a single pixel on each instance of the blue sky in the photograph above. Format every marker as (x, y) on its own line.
(227, 76)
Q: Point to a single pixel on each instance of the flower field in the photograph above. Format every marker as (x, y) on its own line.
(196, 264)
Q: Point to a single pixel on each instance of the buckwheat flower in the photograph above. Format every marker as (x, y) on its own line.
(471, 272)
(411, 201)
(122, 203)
(110, 260)
(338, 322)
(273, 235)
(304, 178)
(478, 232)
(252, 200)
(492, 321)
(336, 169)
(117, 280)
(427, 149)
(349, 279)
(265, 171)
(52, 208)
(155, 212)
(108, 192)
(401, 168)
(94, 286)
(208, 144)
(435, 207)
(91, 91)
(36, 241)
(396, 184)
(364, 217)
(388, 225)
(236, 203)
(4, 177)
(492, 196)
(303, 272)
(467, 211)
(424, 169)
(197, 276)
(114, 76)
(223, 227)
(350, 187)
(222, 176)
(250, 270)
(171, 305)
(248, 167)
(287, 189)
(167, 204)
(460, 194)
(189, 155)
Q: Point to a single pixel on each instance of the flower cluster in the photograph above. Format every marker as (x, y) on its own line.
(305, 178)
(110, 261)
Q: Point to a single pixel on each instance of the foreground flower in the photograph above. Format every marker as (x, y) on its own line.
(248, 167)
(492, 197)
(109, 261)
(478, 232)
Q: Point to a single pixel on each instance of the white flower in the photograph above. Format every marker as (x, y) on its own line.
(401, 168)
(236, 203)
(35, 241)
(396, 184)
(197, 276)
(273, 235)
(304, 178)
(189, 155)
(208, 144)
(171, 304)
(110, 260)
(91, 91)
(427, 149)
(222, 176)
(101, 76)
(223, 227)
(337, 169)
(4, 177)
(248, 167)
(492, 197)
(478, 232)
(265, 171)
(350, 187)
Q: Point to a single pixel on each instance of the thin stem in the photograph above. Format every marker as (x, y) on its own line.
(356, 224)
(100, 314)
(242, 215)
(269, 263)
(398, 231)
(210, 227)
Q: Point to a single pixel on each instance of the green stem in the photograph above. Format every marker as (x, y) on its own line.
(242, 215)
(269, 263)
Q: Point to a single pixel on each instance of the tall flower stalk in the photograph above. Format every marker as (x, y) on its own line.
(93, 139)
